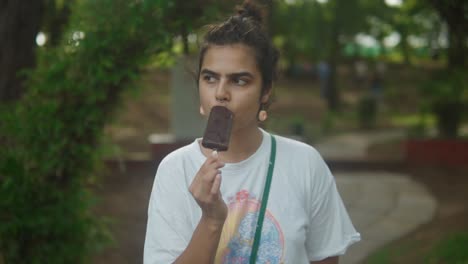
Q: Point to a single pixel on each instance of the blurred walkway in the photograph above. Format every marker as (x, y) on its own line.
(384, 206)
(353, 146)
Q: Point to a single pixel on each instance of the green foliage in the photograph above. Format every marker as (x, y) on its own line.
(446, 95)
(451, 250)
(304, 29)
(298, 125)
(184, 17)
(329, 122)
(447, 86)
(418, 126)
(367, 112)
(49, 138)
(289, 25)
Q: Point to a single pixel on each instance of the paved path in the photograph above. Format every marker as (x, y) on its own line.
(383, 206)
(353, 146)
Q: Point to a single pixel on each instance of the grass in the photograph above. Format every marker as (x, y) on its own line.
(386, 255)
(453, 249)
(409, 120)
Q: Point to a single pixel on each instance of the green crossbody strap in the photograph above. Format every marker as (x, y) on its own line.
(266, 191)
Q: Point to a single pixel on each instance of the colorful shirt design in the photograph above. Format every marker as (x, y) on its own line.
(239, 230)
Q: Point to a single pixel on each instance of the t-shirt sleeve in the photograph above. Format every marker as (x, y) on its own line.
(330, 231)
(169, 228)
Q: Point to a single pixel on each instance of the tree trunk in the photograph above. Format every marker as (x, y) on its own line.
(457, 51)
(55, 20)
(185, 43)
(405, 48)
(449, 116)
(332, 89)
(19, 23)
(453, 13)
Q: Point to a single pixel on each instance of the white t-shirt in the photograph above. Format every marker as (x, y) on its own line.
(305, 218)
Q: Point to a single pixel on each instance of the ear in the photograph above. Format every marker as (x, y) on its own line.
(265, 97)
(202, 111)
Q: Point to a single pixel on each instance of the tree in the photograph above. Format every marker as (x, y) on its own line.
(300, 30)
(56, 16)
(318, 31)
(19, 23)
(185, 17)
(347, 18)
(455, 14)
(448, 90)
(50, 136)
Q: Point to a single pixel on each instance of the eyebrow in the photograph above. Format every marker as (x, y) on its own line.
(231, 75)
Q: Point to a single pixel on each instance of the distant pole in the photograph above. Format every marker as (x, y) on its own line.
(332, 93)
(186, 121)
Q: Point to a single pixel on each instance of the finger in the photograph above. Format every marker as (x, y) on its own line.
(215, 165)
(203, 183)
(210, 167)
(212, 158)
(211, 176)
(215, 188)
(207, 173)
(213, 162)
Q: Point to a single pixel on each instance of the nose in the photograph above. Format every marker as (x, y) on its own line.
(222, 93)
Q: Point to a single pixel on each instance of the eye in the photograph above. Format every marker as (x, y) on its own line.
(208, 78)
(240, 82)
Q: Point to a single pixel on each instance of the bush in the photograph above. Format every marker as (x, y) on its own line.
(49, 138)
(367, 112)
(446, 94)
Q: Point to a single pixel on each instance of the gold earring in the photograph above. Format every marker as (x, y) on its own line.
(202, 112)
(262, 115)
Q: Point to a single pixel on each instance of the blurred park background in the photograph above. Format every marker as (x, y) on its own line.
(94, 92)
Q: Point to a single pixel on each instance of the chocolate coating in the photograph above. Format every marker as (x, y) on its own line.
(218, 129)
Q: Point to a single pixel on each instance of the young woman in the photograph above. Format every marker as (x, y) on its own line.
(204, 207)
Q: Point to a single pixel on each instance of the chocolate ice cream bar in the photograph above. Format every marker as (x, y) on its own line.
(218, 129)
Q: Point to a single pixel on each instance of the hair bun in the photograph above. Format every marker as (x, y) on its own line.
(248, 9)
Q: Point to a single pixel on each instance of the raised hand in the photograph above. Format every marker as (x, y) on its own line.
(205, 189)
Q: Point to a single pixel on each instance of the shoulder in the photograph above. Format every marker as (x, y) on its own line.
(180, 161)
(303, 163)
(177, 169)
(179, 155)
(294, 149)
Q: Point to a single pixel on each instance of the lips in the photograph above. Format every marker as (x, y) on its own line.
(225, 107)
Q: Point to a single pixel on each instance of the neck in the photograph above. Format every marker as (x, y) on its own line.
(243, 143)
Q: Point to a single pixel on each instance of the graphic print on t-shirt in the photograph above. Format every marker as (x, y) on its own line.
(236, 240)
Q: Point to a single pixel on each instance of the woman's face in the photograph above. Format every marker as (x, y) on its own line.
(229, 76)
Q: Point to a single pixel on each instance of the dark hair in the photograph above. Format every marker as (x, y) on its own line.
(245, 27)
